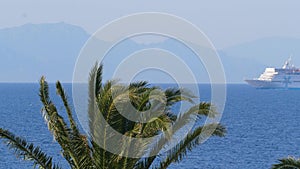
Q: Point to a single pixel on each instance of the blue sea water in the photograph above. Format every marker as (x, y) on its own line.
(263, 126)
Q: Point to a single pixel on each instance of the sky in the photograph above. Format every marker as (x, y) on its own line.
(226, 23)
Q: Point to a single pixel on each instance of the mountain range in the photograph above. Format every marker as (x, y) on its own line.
(51, 49)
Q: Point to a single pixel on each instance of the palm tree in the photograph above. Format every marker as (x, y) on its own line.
(90, 151)
(287, 163)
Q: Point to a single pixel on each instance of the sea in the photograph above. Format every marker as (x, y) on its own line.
(263, 125)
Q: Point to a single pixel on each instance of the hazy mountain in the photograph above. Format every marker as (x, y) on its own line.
(187, 57)
(243, 61)
(32, 50)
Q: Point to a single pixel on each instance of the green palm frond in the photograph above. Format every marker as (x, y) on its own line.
(287, 163)
(192, 140)
(98, 82)
(55, 122)
(75, 146)
(100, 104)
(138, 85)
(175, 95)
(92, 105)
(194, 113)
(27, 151)
(81, 152)
(44, 92)
(203, 109)
(79, 143)
(60, 91)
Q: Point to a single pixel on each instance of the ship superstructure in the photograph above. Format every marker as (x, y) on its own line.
(286, 77)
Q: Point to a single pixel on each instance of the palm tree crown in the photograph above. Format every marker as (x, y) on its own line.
(107, 100)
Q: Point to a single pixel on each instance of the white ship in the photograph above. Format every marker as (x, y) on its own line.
(287, 77)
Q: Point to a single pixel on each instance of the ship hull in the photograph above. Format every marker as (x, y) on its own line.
(273, 84)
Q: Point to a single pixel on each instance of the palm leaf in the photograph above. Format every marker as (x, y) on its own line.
(27, 151)
(98, 82)
(79, 143)
(192, 140)
(201, 109)
(60, 91)
(75, 146)
(287, 163)
(175, 95)
(55, 122)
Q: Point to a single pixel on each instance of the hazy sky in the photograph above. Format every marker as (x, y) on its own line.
(226, 23)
